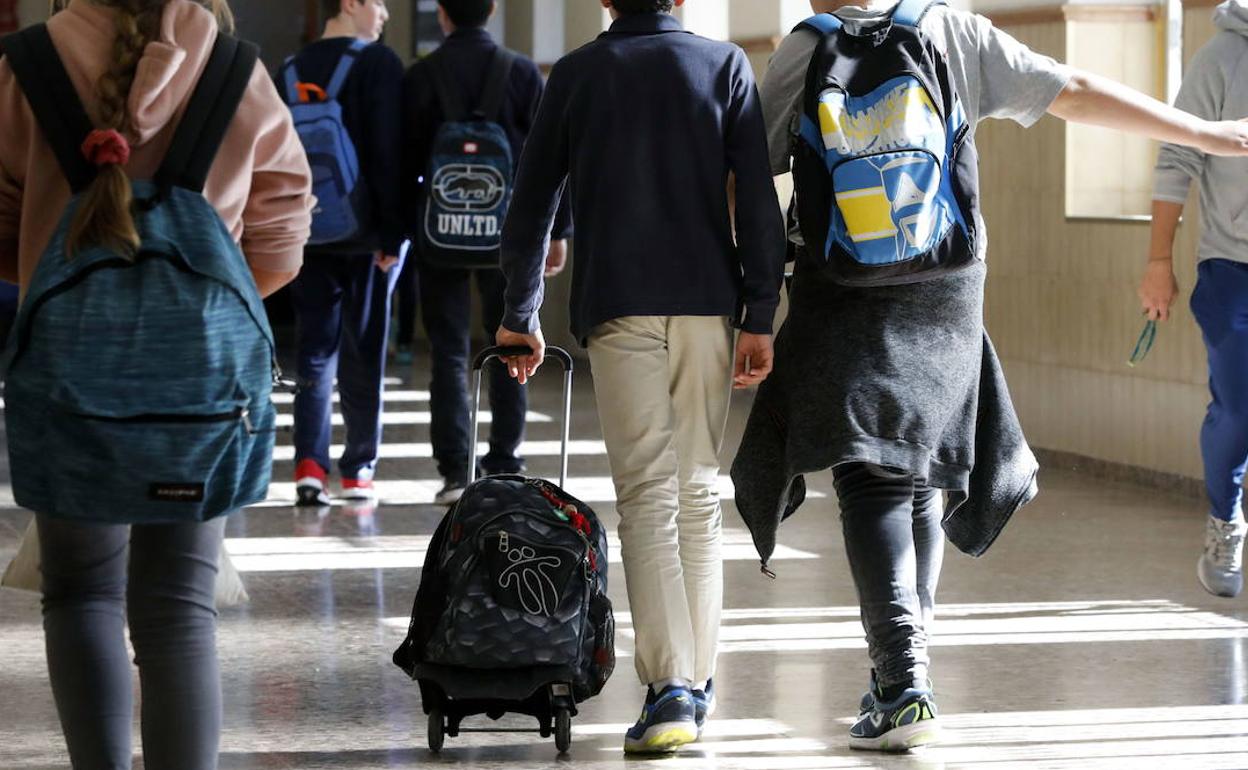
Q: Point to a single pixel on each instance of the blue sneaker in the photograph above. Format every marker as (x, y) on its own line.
(668, 721)
(704, 703)
(906, 723)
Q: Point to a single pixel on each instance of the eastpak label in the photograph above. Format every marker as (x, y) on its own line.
(176, 493)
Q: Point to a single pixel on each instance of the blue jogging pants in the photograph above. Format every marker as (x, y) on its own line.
(1220, 305)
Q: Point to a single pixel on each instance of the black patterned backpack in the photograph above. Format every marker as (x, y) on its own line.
(512, 614)
(515, 577)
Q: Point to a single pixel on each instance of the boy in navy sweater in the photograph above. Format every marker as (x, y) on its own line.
(342, 295)
(648, 124)
(467, 58)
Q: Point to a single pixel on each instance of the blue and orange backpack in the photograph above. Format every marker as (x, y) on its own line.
(342, 201)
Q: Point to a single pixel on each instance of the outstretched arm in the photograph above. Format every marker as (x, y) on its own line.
(1100, 101)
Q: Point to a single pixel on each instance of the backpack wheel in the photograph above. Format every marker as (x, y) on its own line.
(437, 730)
(563, 730)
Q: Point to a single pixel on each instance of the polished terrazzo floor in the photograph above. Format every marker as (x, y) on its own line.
(1082, 640)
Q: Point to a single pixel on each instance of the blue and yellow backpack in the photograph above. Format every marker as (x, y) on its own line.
(885, 167)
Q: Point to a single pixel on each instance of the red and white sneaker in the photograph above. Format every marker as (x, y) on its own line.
(358, 489)
(311, 484)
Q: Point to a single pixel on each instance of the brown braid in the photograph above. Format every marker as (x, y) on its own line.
(104, 214)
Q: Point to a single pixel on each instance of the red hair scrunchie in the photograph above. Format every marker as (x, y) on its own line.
(103, 148)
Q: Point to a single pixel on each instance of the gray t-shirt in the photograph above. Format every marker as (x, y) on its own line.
(995, 75)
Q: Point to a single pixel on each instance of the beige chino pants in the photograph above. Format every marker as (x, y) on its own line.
(663, 386)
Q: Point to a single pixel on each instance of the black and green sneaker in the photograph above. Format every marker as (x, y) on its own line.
(867, 702)
(906, 723)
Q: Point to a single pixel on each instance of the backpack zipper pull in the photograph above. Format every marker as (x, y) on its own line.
(590, 562)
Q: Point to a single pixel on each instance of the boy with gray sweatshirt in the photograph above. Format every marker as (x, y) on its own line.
(1214, 88)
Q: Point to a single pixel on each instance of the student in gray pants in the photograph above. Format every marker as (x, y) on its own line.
(99, 571)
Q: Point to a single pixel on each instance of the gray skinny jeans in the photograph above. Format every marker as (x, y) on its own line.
(895, 544)
(167, 591)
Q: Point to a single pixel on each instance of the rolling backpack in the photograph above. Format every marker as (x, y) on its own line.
(471, 170)
(515, 578)
(342, 201)
(138, 387)
(885, 167)
(512, 613)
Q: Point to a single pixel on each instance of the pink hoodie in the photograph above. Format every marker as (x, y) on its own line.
(260, 183)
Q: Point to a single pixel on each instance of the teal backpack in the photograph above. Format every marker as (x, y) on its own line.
(138, 390)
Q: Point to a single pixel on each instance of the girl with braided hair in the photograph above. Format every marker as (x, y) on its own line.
(134, 64)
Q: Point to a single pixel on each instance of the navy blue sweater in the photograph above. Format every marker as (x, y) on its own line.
(646, 123)
(468, 53)
(371, 114)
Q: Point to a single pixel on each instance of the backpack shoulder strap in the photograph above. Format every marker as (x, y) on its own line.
(343, 70)
(290, 80)
(910, 13)
(208, 114)
(449, 98)
(822, 24)
(495, 91)
(56, 105)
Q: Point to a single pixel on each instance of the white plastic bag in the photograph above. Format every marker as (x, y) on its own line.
(230, 589)
(23, 572)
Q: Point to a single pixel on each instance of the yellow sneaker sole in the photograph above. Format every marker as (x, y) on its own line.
(661, 739)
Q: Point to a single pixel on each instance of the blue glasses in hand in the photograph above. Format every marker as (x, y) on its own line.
(1144, 344)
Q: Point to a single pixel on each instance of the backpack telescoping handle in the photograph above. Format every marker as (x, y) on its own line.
(478, 364)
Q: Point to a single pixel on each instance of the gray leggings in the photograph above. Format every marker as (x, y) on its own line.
(168, 596)
(895, 544)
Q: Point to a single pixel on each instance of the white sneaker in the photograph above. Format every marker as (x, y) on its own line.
(1221, 567)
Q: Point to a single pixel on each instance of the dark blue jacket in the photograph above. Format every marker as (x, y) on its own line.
(645, 124)
(468, 53)
(370, 112)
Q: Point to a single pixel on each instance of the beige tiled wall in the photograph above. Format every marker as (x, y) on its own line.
(1062, 308)
(1107, 172)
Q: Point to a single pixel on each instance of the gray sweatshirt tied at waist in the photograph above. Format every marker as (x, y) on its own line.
(902, 377)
